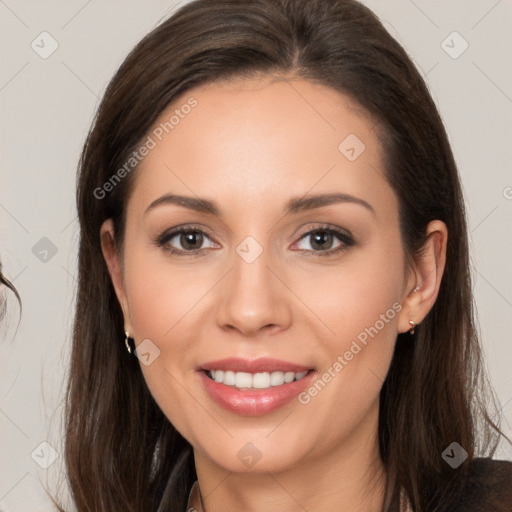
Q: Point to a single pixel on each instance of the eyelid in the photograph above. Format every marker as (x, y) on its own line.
(183, 227)
(311, 228)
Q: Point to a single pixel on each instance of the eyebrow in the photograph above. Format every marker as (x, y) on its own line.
(294, 205)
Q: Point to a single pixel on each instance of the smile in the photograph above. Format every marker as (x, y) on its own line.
(247, 381)
(254, 387)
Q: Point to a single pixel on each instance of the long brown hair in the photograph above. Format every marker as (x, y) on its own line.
(121, 452)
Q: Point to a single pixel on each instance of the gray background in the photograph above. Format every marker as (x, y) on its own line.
(47, 106)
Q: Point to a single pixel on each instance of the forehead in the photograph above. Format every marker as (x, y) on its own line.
(261, 141)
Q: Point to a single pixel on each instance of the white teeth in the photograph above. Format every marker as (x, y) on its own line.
(243, 380)
(276, 378)
(229, 378)
(289, 376)
(261, 380)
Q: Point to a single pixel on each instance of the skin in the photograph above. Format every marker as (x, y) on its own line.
(251, 145)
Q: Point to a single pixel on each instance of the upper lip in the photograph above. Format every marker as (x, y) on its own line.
(262, 364)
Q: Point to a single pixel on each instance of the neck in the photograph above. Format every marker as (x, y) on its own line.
(349, 477)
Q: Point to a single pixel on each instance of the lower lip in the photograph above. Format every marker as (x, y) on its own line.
(255, 402)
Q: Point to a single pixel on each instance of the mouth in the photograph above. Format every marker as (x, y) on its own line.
(254, 387)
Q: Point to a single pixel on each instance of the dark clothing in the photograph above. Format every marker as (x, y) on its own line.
(488, 488)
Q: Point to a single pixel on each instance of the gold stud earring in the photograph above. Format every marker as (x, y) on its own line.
(412, 326)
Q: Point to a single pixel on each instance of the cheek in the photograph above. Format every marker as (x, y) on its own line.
(161, 295)
(360, 303)
(370, 301)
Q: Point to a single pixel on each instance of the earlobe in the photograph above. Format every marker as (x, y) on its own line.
(426, 279)
(112, 259)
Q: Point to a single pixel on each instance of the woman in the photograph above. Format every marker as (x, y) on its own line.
(272, 223)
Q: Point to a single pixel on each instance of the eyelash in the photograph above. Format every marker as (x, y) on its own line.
(343, 236)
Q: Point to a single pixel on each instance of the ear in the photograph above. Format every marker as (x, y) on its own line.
(115, 269)
(425, 277)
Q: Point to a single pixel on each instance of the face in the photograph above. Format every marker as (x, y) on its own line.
(287, 259)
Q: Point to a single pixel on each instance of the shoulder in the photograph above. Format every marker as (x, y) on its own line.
(488, 487)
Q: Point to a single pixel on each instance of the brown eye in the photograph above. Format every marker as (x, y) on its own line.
(191, 240)
(326, 240)
(322, 240)
(183, 241)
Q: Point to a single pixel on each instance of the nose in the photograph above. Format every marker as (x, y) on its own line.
(253, 298)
